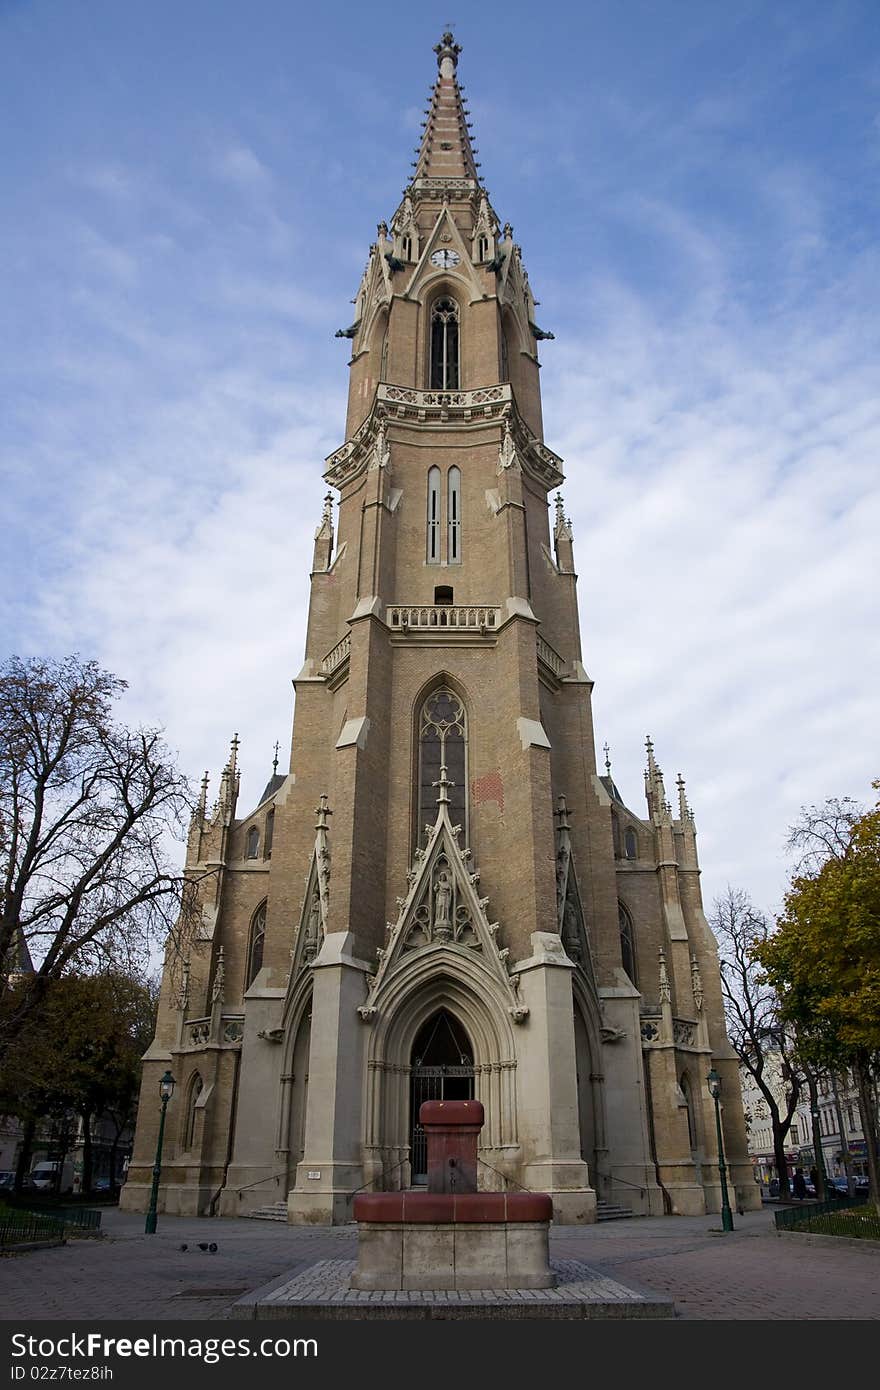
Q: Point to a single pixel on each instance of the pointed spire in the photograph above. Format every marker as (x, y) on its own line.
(445, 151)
(683, 809)
(561, 812)
(697, 983)
(665, 991)
(562, 530)
(233, 754)
(322, 811)
(203, 796)
(219, 979)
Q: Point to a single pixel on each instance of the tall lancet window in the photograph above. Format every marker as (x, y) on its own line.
(255, 945)
(433, 516)
(442, 740)
(453, 517)
(444, 345)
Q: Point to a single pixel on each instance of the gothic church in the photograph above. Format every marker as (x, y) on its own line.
(442, 897)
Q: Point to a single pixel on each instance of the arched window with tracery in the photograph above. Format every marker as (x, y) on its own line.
(627, 942)
(442, 741)
(631, 844)
(196, 1086)
(255, 945)
(444, 345)
(253, 843)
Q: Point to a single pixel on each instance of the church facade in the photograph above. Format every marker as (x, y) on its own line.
(442, 898)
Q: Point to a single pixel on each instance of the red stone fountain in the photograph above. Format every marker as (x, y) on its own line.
(452, 1236)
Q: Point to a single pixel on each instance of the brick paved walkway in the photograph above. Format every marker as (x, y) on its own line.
(751, 1273)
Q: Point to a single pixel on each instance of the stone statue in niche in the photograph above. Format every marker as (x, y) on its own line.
(443, 905)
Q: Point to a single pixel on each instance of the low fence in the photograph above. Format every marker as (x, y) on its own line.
(845, 1216)
(21, 1227)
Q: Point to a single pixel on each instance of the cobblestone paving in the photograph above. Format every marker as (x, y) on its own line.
(751, 1273)
(325, 1284)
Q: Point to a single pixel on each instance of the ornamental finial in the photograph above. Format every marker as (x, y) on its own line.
(444, 784)
(447, 51)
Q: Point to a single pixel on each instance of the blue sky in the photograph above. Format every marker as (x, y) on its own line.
(187, 195)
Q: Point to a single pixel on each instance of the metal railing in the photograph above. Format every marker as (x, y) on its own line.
(22, 1227)
(844, 1216)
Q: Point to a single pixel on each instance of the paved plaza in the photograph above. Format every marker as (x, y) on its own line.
(751, 1273)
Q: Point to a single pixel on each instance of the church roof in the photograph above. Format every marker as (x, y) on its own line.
(272, 786)
(446, 151)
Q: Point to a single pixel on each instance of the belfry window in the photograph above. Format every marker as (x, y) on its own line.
(255, 948)
(627, 942)
(442, 742)
(444, 345)
(453, 517)
(433, 516)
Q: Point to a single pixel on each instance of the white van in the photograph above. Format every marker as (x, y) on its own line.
(51, 1176)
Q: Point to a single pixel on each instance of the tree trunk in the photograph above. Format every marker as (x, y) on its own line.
(818, 1151)
(868, 1115)
(24, 1156)
(87, 1152)
(779, 1157)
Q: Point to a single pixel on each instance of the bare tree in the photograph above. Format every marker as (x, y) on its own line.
(87, 808)
(751, 1010)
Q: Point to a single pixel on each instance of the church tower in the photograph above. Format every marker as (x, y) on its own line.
(442, 898)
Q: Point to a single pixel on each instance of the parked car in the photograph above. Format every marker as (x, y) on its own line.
(7, 1180)
(51, 1176)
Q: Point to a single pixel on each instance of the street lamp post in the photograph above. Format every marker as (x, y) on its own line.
(166, 1091)
(714, 1081)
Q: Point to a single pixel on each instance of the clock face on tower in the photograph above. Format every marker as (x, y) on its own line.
(445, 259)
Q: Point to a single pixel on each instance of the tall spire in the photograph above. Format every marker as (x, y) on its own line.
(446, 151)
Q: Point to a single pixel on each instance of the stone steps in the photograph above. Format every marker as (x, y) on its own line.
(273, 1211)
(606, 1211)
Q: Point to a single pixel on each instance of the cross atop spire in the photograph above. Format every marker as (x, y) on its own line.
(446, 151)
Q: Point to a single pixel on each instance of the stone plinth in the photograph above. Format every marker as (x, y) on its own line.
(479, 1240)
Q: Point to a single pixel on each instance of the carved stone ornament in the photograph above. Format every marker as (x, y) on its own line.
(233, 1031)
(316, 901)
(442, 909)
(697, 984)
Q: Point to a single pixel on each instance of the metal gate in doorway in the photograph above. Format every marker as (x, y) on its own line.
(450, 1082)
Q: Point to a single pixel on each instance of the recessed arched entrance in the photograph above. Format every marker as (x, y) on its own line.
(441, 1068)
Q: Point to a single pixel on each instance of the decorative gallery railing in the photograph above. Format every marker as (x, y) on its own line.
(551, 658)
(444, 400)
(336, 656)
(198, 1030)
(431, 616)
(684, 1031)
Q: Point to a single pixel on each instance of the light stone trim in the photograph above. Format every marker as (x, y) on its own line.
(354, 733)
(532, 733)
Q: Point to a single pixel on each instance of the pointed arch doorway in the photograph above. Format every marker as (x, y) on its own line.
(441, 1068)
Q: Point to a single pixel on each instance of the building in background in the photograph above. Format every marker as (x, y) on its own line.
(441, 897)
